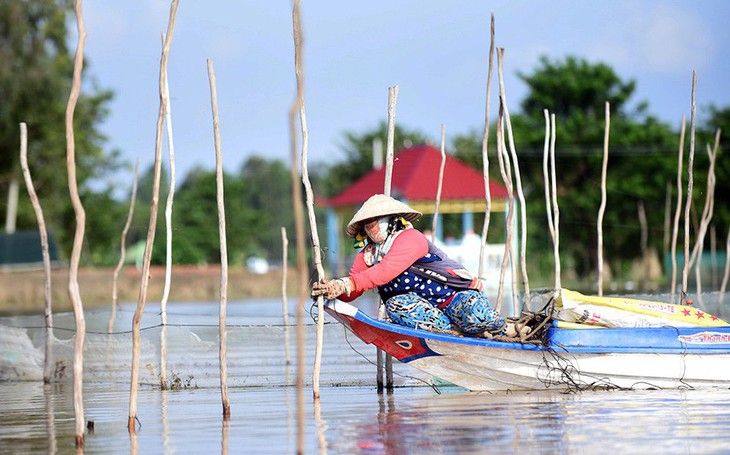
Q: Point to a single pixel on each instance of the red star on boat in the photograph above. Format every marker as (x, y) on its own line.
(714, 318)
(700, 314)
(686, 312)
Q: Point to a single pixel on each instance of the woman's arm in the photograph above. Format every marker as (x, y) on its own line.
(408, 247)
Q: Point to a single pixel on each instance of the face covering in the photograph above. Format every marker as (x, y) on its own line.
(377, 230)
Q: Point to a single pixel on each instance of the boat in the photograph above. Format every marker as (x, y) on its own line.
(570, 355)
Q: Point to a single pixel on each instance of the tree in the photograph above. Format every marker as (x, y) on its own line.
(35, 78)
(642, 159)
(195, 214)
(331, 179)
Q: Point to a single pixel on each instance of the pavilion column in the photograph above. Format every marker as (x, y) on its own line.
(332, 251)
(467, 223)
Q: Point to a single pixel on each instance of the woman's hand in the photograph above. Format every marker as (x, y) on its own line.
(331, 289)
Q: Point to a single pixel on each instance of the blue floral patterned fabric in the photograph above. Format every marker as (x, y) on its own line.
(468, 311)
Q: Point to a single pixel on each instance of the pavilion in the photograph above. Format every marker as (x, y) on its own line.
(414, 181)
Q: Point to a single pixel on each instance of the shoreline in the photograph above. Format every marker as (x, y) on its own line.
(22, 292)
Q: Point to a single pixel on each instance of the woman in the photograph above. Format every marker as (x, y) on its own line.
(420, 285)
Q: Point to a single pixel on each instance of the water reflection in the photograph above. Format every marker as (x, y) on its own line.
(588, 422)
(50, 418)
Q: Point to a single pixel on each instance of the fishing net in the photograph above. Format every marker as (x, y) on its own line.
(260, 351)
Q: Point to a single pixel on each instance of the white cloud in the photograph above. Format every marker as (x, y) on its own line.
(657, 37)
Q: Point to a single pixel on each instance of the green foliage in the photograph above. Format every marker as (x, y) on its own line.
(35, 79)
(332, 178)
(195, 237)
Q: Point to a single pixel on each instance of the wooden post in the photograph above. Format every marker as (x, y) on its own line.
(546, 180)
(123, 251)
(284, 300)
(48, 307)
(485, 160)
(73, 282)
(389, 158)
(690, 183)
(726, 274)
(678, 212)
(168, 235)
(316, 249)
(137, 319)
(602, 208)
(707, 213)
(507, 179)
(220, 197)
(556, 210)
(518, 181)
(302, 270)
(434, 224)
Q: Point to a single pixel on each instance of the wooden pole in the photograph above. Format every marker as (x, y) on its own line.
(518, 181)
(556, 210)
(168, 234)
(284, 301)
(48, 307)
(390, 145)
(303, 273)
(678, 212)
(546, 179)
(389, 158)
(434, 225)
(507, 179)
(220, 197)
(690, 183)
(485, 160)
(602, 208)
(137, 319)
(667, 218)
(73, 282)
(707, 213)
(122, 250)
(316, 249)
(726, 274)
(285, 268)
(644, 247)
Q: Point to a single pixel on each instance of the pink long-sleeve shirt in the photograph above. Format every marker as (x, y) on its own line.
(410, 246)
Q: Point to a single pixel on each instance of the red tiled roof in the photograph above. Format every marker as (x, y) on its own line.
(415, 178)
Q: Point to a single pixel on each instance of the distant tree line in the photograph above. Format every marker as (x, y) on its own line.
(642, 161)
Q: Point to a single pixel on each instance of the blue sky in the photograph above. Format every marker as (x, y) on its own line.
(435, 51)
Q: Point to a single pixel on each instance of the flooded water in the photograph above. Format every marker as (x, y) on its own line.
(420, 416)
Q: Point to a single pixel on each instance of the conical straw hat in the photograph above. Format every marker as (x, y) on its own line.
(377, 206)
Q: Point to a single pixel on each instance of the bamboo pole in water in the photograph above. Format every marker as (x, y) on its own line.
(303, 271)
(137, 319)
(518, 181)
(690, 183)
(220, 198)
(316, 249)
(726, 274)
(434, 225)
(389, 158)
(48, 307)
(644, 246)
(546, 180)
(602, 208)
(707, 213)
(284, 271)
(168, 234)
(122, 250)
(284, 301)
(678, 212)
(507, 179)
(485, 159)
(73, 282)
(667, 218)
(556, 210)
